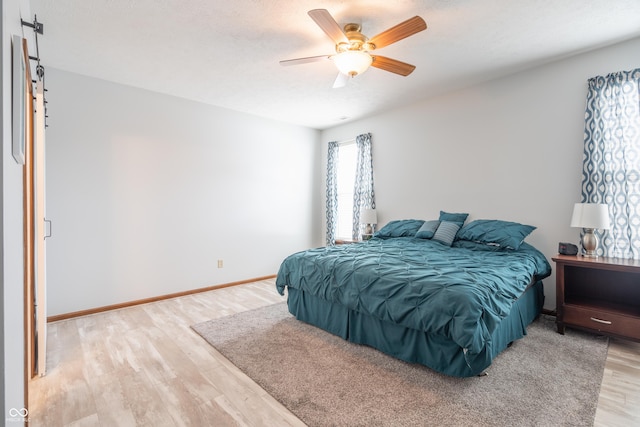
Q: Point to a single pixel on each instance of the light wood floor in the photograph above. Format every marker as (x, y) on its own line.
(144, 366)
(619, 402)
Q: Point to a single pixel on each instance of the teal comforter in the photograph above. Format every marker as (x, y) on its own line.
(459, 292)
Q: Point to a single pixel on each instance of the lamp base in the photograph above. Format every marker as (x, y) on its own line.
(589, 243)
(368, 232)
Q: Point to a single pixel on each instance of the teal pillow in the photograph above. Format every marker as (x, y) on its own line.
(506, 234)
(458, 218)
(446, 232)
(400, 228)
(428, 229)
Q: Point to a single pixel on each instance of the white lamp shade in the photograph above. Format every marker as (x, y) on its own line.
(352, 62)
(368, 216)
(591, 215)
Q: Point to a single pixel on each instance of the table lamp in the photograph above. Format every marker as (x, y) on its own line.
(369, 218)
(589, 217)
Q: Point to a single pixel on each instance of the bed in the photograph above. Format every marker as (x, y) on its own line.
(449, 299)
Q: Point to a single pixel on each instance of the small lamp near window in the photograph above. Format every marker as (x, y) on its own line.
(369, 218)
(589, 217)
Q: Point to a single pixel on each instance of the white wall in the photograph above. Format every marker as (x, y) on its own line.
(11, 228)
(509, 149)
(147, 191)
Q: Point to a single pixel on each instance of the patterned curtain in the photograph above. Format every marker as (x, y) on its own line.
(332, 192)
(611, 166)
(363, 194)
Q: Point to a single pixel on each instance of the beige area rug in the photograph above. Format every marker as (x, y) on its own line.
(544, 379)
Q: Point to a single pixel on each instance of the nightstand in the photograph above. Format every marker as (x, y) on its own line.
(598, 294)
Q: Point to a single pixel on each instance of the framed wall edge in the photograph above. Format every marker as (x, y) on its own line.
(19, 79)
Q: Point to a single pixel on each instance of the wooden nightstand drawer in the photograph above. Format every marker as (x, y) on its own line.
(601, 320)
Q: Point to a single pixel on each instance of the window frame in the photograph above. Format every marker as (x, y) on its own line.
(341, 211)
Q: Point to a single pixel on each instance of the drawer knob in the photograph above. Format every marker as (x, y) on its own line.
(606, 322)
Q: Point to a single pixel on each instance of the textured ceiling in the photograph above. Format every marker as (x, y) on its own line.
(226, 53)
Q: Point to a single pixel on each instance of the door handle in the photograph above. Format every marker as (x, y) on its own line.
(49, 229)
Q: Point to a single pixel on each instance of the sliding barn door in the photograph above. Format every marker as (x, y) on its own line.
(40, 232)
(29, 226)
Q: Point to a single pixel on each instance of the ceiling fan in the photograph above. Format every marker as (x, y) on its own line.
(353, 48)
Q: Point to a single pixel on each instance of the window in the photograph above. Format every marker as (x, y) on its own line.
(349, 186)
(346, 174)
(611, 164)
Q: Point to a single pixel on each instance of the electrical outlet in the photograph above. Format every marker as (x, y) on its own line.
(220, 263)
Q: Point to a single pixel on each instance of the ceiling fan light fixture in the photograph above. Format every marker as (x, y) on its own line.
(352, 47)
(353, 62)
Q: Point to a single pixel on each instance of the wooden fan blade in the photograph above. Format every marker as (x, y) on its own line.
(329, 25)
(306, 60)
(341, 81)
(392, 65)
(399, 32)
